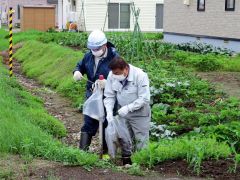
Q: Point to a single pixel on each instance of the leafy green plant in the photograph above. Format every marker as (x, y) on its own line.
(206, 62)
(203, 48)
(228, 132)
(236, 162)
(136, 170)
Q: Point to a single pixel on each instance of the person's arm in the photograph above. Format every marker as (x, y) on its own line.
(143, 94)
(110, 98)
(80, 70)
(81, 67)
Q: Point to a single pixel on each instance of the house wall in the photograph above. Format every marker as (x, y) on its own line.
(14, 4)
(3, 10)
(95, 14)
(179, 39)
(65, 13)
(214, 21)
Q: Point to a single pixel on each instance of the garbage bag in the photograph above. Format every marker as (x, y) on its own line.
(94, 107)
(117, 135)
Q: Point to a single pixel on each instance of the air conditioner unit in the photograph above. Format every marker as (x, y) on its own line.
(186, 2)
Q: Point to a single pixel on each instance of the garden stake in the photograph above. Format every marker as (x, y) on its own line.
(10, 42)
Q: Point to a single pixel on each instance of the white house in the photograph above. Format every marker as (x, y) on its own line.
(111, 15)
(66, 12)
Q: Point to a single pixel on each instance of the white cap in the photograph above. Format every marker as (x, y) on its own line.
(96, 39)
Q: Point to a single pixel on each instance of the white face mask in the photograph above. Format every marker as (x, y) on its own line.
(118, 77)
(98, 53)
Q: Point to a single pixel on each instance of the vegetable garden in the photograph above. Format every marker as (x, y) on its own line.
(191, 120)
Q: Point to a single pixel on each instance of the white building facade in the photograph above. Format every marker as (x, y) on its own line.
(112, 15)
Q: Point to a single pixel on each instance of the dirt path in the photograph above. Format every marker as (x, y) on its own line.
(228, 82)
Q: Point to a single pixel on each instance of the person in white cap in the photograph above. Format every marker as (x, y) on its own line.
(94, 63)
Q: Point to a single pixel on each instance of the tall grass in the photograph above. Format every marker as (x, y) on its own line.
(52, 65)
(206, 62)
(232, 64)
(26, 129)
(194, 150)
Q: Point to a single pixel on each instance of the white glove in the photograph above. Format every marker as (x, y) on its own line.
(100, 84)
(77, 76)
(123, 111)
(109, 117)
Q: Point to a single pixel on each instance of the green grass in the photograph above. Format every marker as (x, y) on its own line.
(232, 64)
(26, 35)
(194, 150)
(17, 37)
(3, 42)
(207, 62)
(15, 98)
(146, 35)
(52, 65)
(27, 129)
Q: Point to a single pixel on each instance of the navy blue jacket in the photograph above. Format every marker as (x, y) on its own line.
(86, 66)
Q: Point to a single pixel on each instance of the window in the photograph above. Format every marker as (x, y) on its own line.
(229, 5)
(159, 16)
(201, 5)
(18, 12)
(73, 5)
(118, 16)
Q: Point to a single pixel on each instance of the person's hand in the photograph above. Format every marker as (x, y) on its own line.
(100, 83)
(123, 111)
(77, 76)
(109, 117)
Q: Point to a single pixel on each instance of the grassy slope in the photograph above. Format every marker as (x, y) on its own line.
(53, 67)
(26, 129)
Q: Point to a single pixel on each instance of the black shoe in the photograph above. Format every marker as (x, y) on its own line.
(85, 141)
(126, 160)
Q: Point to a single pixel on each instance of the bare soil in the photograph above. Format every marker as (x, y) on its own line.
(221, 169)
(228, 82)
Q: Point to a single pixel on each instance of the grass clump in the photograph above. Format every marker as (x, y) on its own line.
(193, 149)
